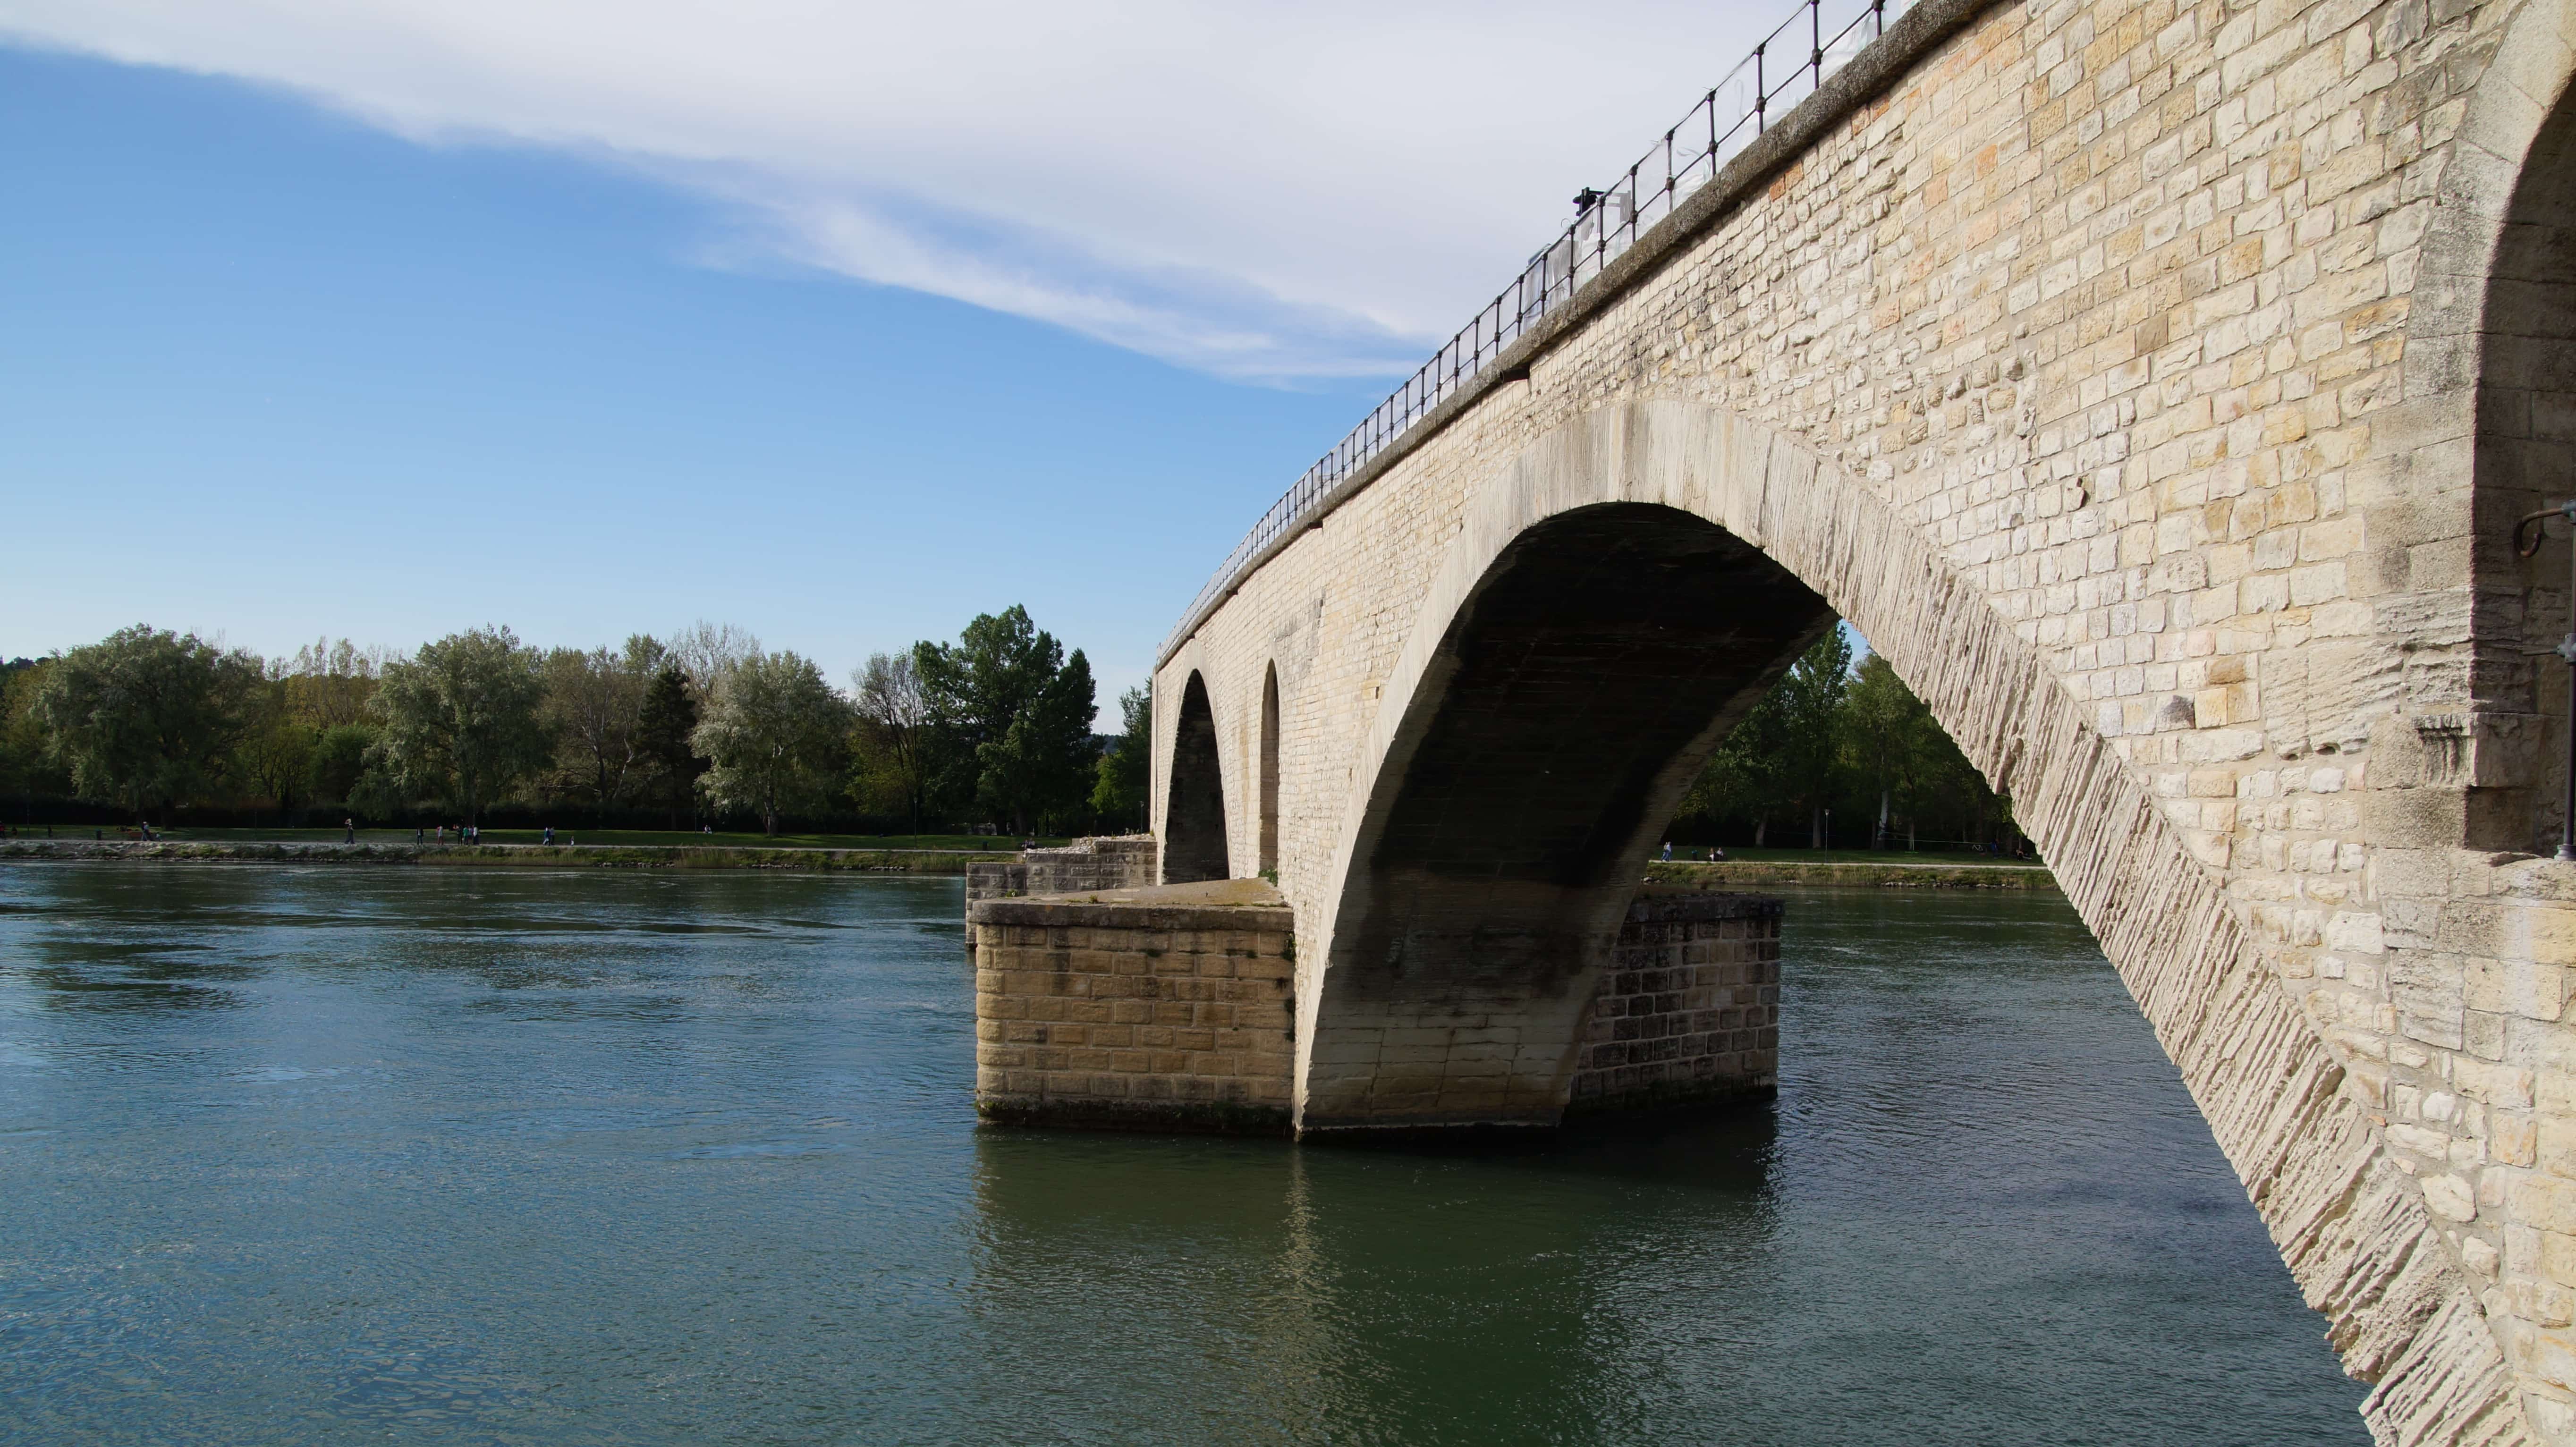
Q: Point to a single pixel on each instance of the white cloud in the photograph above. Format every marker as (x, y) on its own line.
(1256, 190)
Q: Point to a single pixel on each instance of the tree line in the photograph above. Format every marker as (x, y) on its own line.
(991, 730)
(1838, 754)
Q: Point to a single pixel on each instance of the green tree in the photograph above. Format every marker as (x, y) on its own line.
(1041, 768)
(28, 767)
(1120, 779)
(338, 762)
(774, 735)
(1812, 705)
(595, 703)
(1001, 667)
(460, 719)
(1744, 776)
(328, 684)
(276, 755)
(665, 722)
(147, 716)
(892, 744)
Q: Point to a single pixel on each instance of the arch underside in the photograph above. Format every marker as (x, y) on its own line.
(1569, 705)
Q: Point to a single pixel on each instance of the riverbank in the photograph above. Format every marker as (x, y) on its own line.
(1732, 874)
(535, 856)
(1853, 874)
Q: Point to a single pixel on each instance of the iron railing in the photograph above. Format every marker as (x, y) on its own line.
(1606, 223)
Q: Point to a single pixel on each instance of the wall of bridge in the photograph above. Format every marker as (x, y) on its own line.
(2116, 368)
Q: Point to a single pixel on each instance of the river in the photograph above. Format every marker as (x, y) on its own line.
(454, 1156)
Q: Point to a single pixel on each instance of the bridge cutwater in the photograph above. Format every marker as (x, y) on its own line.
(2158, 387)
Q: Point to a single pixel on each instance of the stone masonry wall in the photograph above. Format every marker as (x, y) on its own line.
(1160, 1008)
(1688, 1010)
(1118, 861)
(1169, 1008)
(2116, 368)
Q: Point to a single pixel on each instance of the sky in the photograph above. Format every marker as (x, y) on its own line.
(842, 323)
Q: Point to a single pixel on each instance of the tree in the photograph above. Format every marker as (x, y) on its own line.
(664, 724)
(1745, 773)
(276, 755)
(328, 684)
(1812, 702)
(339, 761)
(773, 734)
(1120, 778)
(27, 765)
(594, 702)
(706, 652)
(892, 758)
(1892, 737)
(147, 716)
(1042, 766)
(460, 718)
(1002, 666)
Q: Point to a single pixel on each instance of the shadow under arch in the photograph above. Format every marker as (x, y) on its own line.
(1571, 701)
(2526, 425)
(1269, 767)
(1194, 837)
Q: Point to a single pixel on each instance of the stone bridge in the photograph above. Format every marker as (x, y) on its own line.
(2156, 385)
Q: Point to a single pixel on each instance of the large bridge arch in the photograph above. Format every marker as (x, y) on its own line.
(1801, 538)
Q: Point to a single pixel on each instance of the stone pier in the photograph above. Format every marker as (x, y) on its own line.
(1173, 1007)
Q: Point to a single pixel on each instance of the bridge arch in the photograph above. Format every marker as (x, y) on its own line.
(1195, 843)
(1266, 764)
(1411, 1013)
(2489, 332)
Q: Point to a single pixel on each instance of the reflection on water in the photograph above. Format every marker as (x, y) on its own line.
(465, 1156)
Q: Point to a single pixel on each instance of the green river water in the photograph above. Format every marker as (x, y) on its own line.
(342, 1155)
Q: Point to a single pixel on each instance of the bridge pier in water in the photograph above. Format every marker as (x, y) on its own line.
(1174, 1007)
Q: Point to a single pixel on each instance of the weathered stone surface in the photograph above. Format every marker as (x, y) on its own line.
(1120, 861)
(2155, 384)
(1688, 1009)
(1166, 1008)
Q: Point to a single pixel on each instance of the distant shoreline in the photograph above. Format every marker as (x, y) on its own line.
(814, 859)
(794, 858)
(1854, 874)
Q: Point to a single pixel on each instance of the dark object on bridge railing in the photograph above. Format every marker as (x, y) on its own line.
(1733, 112)
(2528, 535)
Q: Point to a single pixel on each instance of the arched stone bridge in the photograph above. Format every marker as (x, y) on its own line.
(2156, 385)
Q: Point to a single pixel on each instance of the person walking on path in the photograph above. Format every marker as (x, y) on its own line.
(350, 825)
(1668, 851)
(550, 834)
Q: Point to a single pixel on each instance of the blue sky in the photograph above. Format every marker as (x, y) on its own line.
(308, 331)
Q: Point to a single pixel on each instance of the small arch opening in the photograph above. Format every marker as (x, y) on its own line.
(1270, 773)
(1194, 844)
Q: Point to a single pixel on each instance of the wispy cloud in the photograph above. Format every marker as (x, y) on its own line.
(1254, 190)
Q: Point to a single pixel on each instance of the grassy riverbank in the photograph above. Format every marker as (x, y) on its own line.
(1853, 870)
(690, 838)
(948, 855)
(390, 851)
